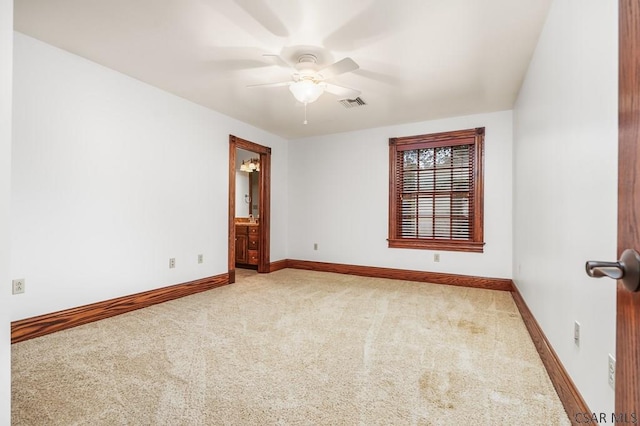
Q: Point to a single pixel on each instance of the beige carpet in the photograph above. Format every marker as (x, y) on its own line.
(293, 348)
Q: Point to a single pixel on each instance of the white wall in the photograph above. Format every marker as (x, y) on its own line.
(339, 195)
(565, 177)
(111, 178)
(6, 59)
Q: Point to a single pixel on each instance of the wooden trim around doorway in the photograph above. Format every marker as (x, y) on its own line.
(264, 208)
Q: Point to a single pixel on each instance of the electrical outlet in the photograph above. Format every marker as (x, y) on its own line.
(612, 372)
(172, 263)
(576, 333)
(18, 286)
(200, 258)
(315, 246)
(436, 257)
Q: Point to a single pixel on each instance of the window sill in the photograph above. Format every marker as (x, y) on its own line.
(444, 245)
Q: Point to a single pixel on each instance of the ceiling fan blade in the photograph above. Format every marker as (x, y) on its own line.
(276, 60)
(342, 92)
(366, 27)
(378, 76)
(259, 11)
(224, 65)
(278, 84)
(340, 67)
(237, 58)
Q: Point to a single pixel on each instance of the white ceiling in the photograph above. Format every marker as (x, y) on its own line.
(419, 59)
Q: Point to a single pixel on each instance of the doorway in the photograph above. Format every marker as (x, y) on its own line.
(263, 208)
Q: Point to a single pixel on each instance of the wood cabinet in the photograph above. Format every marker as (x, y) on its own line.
(247, 244)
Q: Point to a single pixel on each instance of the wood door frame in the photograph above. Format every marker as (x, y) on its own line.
(628, 304)
(264, 208)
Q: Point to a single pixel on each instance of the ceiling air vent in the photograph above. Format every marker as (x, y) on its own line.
(352, 103)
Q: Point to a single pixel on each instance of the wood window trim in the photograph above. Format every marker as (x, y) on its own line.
(397, 145)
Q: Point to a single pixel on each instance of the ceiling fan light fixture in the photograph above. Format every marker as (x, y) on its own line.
(307, 91)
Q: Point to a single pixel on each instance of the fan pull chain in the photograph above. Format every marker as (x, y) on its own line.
(305, 114)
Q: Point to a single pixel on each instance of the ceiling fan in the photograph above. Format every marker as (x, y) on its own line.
(308, 82)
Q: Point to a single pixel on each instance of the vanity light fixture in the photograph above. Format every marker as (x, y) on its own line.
(249, 166)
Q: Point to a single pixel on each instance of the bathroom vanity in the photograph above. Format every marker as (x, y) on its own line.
(247, 243)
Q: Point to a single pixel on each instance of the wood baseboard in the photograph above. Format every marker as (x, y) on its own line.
(567, 391)
(279, 264)
(41, 325)
(403, 274)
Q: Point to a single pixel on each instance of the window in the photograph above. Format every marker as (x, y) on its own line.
(436, 191)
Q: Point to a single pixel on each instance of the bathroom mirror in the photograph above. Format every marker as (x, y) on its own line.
(247, 184)
(254, 193)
